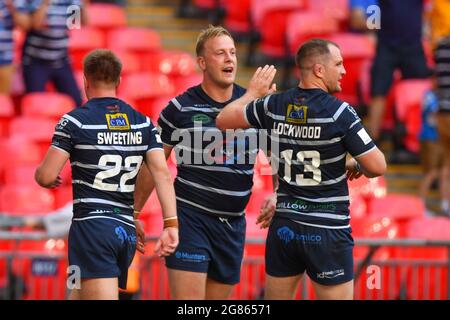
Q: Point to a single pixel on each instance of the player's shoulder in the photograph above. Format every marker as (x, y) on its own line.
(78, 116)
(187, 98)
(238, 91)
(278, 98)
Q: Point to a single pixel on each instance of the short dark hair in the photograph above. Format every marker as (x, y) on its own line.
(102, 65)
(208, 33)
(312, 48)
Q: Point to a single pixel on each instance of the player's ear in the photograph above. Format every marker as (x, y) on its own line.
(85, 82)
(119, 81)
(318, 70)
(201, 63)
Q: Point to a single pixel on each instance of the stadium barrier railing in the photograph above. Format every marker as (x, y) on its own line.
(34, 266)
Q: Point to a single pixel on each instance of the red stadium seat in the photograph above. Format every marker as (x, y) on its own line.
(155, 107)
(63, 195)
(207, 4)
(81, 42)
(408, 99)
(171, 63)
(368, 188)
(335, 9)
(397, 206)
(358, 206)
(34, 129)
(6, 114)
(304, 25)
(237, 18)
(26, 199)
(46, 104)
(106, 17)
(186, 82)
(21, 175)
(142, 41)
(144, 88)
(19, 152)
(130, 62)
(270, 18)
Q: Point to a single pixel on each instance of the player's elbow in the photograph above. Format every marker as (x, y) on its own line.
(220, 122)
(377, 167)
(43, 178)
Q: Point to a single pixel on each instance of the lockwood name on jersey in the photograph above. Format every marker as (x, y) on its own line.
(119, 137)
(297, 131)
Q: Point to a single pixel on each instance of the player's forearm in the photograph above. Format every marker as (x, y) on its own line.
(166, 192)
(232, 116)
(45, 177)
(373, 164)
(144, 187)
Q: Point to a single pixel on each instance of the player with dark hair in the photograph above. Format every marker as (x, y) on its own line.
(310, 230)
(106, 141)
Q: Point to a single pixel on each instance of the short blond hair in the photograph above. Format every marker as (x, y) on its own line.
(208, 33)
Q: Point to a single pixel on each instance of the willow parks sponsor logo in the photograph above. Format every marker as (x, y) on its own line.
(202, 118)
(299, 205)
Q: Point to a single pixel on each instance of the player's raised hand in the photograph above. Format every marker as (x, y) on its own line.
(167, 242)
(140, 243)
(261, 82)
(267, 211)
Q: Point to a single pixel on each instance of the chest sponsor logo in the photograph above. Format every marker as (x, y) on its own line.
(203, 118)
(296, 114)
(117, 121)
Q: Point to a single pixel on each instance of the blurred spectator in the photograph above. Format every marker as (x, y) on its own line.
(359, 14)
(442, 59)
(45, 56)
(430, 149)
(400, 47)
(439, 20)
(10, 17)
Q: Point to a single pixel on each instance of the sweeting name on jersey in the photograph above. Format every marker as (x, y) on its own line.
(121, 138)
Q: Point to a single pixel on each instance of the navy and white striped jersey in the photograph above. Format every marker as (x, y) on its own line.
(50, 44)
(314, 131)
(442, 59)
(215, 174)
(6, 28)
(107, 141)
